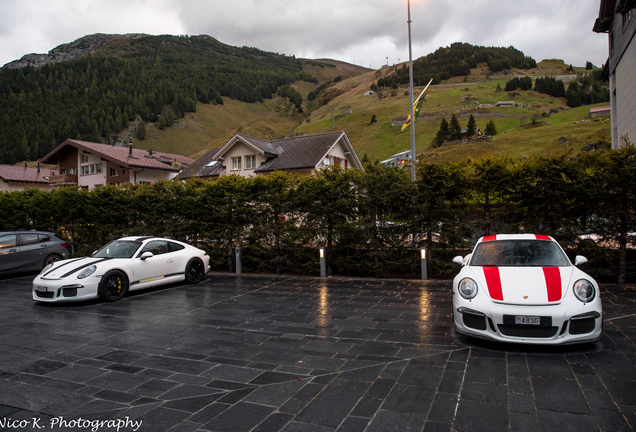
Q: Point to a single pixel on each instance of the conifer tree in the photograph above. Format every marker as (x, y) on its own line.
(455, 129)
(471, 127)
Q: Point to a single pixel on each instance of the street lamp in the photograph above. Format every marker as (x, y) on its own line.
(408, 3)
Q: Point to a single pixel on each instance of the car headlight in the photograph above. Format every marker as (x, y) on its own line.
(46, 268)
(87, 272)
(584, 290)
(467, 288)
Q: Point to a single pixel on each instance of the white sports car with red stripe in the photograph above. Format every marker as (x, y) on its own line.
(523, 288)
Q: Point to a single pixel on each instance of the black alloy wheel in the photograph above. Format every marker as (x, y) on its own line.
(113, 286)
(194, 271)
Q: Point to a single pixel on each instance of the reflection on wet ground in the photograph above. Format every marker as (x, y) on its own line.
(273, 353)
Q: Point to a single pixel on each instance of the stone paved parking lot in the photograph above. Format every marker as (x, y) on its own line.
(269, 353)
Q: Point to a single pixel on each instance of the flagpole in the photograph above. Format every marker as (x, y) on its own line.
(411, 94)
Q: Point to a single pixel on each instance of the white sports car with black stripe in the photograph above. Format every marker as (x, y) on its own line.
(129, 263)
(523, 288)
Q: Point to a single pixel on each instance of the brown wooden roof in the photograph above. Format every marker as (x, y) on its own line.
(13, 173)
(119, 155)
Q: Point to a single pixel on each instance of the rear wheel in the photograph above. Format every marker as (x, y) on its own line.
(113, 286)
(194, 271)
(51, 259)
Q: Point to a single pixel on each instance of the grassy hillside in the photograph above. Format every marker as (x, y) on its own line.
(213, 125)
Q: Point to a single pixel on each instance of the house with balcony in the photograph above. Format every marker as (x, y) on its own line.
(248, 156)
(89, 165)
(617, 19)
(17, 178)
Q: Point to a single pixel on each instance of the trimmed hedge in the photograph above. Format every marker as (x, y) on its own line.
(365, 220)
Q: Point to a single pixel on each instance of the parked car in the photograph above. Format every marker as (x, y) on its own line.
(523, 288)
(24, 251)
(130, 263)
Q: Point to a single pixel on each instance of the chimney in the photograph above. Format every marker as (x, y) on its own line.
(25, 164)
(38, 166)
(130, 148)
(150, 152)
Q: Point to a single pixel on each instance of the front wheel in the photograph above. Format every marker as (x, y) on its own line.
(194, 271)
(113, 286)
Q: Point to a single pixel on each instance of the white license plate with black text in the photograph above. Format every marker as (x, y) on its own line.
(527, 320)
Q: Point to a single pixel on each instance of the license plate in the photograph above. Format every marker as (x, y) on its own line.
(41, 289)
(527, 320)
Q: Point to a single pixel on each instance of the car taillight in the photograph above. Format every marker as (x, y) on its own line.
(64, 245)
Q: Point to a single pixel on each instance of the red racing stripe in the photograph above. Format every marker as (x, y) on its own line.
(543, 237)
(493, 282)
(553, 282)
(490, 238)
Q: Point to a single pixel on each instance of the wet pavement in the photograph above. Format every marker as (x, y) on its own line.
(268, 353)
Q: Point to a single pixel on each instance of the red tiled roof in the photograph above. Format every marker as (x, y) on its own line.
(13, 173)
(139, 158)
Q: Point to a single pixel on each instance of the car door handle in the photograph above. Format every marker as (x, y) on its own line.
(43, 245)
(13, 250)
(169, 260)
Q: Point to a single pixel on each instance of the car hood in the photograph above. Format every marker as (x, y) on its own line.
(524, 285)
(70, 268)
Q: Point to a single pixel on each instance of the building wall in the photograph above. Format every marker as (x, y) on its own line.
(241, 150)
(69, 160)
(337, 151)
(96, 178)
(18, 186)
(622, 47)
(625, 96)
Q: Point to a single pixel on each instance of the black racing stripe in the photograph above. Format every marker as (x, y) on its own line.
(84, 266)
(63, 263)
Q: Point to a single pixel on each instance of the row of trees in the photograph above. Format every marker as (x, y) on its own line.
(458, 60)
(449, 131)
(366, 220)
(95, 97)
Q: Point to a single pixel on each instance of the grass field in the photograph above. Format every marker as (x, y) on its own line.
(214, 125)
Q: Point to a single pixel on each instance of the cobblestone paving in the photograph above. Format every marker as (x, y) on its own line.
(300, 354)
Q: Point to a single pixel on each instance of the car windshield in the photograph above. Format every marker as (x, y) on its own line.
(118, 249)
(519, 253)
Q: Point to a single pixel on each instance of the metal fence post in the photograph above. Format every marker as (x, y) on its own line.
(423, 264)
(239, 265)
(323, 263)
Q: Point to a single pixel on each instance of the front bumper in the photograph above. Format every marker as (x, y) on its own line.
(559, 324)
(56, 290)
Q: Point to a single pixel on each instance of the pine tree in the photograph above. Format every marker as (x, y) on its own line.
(491, 128)
(442, 134)
(141, 130)
(455, 129)
(471, 127)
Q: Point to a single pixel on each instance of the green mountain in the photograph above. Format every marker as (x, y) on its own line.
(193, 93)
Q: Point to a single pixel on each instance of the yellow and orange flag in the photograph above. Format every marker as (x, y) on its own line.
(417, 106)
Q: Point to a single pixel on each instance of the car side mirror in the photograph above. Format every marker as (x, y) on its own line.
(144, 256)
(579, 260)
(458, 260)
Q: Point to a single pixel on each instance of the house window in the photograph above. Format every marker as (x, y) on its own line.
(627, 17)
(91, 169)
(84, 158)
(72, 171)
(250, 162)
(114, 172)
(236, 163)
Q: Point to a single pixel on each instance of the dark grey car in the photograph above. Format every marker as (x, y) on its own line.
(24, 251)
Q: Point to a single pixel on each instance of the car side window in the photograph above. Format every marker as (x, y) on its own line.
(8, 241)
(43, 238)
(29, 239)
(157, 247)
(173, 247)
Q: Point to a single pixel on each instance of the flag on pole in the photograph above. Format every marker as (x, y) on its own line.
(417, 105)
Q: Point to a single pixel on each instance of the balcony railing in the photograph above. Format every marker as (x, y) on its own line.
(63, 179)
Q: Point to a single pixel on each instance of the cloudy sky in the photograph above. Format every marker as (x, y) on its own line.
(364, 32)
